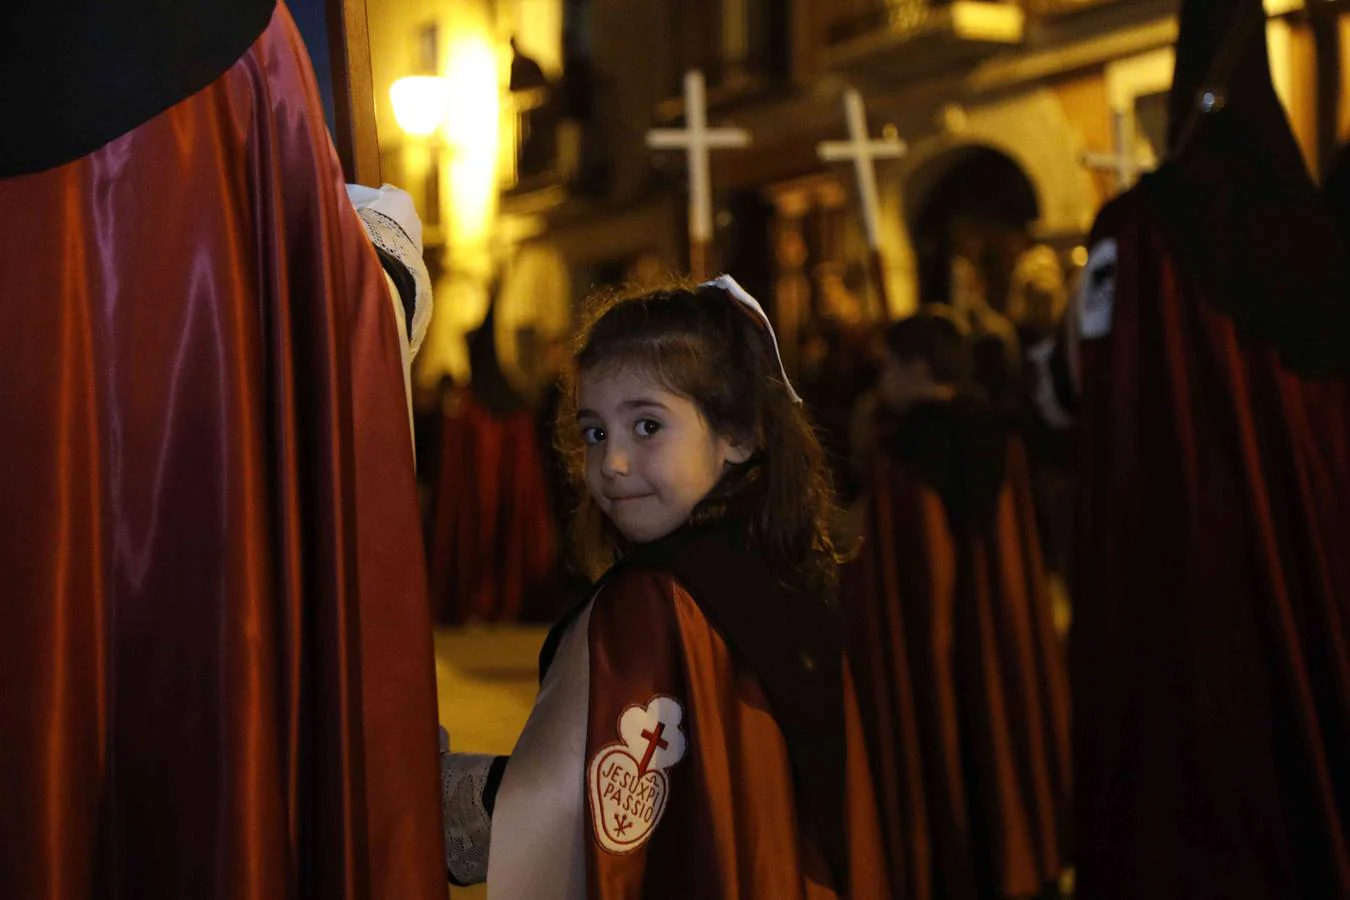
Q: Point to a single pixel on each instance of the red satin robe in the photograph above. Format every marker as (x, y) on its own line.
(1211, 640)
(491, 545)
(216, 644)
(961, 677)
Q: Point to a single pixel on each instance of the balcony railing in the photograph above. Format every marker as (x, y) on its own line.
(903, 16)
(540, 145)
(907, 38)
(1064, 7)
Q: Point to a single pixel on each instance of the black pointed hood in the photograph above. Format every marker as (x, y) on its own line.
(1235, 200)
(1221, 50)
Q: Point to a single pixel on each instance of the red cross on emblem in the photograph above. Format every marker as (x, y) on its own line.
(627, 782)
(654, 742)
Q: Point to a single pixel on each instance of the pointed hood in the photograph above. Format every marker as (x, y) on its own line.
(1235, 200)
(1221, 51)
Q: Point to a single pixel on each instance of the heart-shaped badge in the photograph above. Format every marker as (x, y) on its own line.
(627, 781)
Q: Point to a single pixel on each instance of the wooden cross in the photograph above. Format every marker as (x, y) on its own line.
(696, 138)
(1122, 162)
(654, 742)
(863, 152)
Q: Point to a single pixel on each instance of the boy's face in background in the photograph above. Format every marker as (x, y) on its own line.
(905, 382)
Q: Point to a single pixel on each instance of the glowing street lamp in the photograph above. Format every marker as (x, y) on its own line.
(421, 103)
(453, 122)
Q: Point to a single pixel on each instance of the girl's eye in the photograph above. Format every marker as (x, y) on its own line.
(592, 434)
(647, 427)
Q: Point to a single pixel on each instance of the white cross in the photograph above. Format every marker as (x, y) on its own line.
(697, 139)
(1122, 162)
(863, 152)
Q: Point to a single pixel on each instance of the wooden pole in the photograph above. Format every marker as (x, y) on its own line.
(353, 92)
(697, 139)
(876, 273)
(1121, 162)
(863, 152)
(702, 262)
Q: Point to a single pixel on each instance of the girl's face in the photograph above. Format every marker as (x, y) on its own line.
(650, 454)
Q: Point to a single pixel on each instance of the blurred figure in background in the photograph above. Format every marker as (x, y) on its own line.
(1204, 364)
(1037, 299)
(960, 674)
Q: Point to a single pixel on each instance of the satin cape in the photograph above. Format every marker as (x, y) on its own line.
(216, 643)
(772, 797)
(961, 677)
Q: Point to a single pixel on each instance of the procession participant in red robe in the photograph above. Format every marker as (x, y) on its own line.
(492, 543)
(961, 676)
(696, 733)
(215, 645)
(1210, 668)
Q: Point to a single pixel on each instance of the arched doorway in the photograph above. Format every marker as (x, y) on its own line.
(970, 213)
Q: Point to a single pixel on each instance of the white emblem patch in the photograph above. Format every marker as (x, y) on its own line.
(627, 782)
(1097, 290)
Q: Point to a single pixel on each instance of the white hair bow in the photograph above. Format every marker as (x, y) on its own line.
(728, 284)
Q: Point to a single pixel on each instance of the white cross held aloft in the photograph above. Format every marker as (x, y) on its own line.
(1122, 162)
(863, 151)
(697, 139)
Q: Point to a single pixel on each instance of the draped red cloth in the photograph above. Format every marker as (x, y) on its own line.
(962, 685)
(492, 542)
(216, 644)
(1211, 644)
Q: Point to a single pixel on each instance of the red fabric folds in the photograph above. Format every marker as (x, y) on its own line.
(962, 686)
(216, 643)
(1211, 646)
(492, 547)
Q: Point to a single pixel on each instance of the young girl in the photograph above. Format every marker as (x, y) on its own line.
(696, 733)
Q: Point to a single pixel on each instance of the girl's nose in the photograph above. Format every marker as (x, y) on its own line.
(616, 459)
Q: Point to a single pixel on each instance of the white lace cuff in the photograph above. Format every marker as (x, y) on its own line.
(393, 225)
(468, 826)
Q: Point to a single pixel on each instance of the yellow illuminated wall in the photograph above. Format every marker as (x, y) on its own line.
(471, 133)
(463, 151)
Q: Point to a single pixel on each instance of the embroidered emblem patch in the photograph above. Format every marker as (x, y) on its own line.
(627, 782)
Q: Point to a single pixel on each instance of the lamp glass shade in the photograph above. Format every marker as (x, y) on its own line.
(421, 103)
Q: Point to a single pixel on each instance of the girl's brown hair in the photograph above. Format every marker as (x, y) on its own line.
(697, 341)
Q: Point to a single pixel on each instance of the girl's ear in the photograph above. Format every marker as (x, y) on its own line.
(736, 451)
